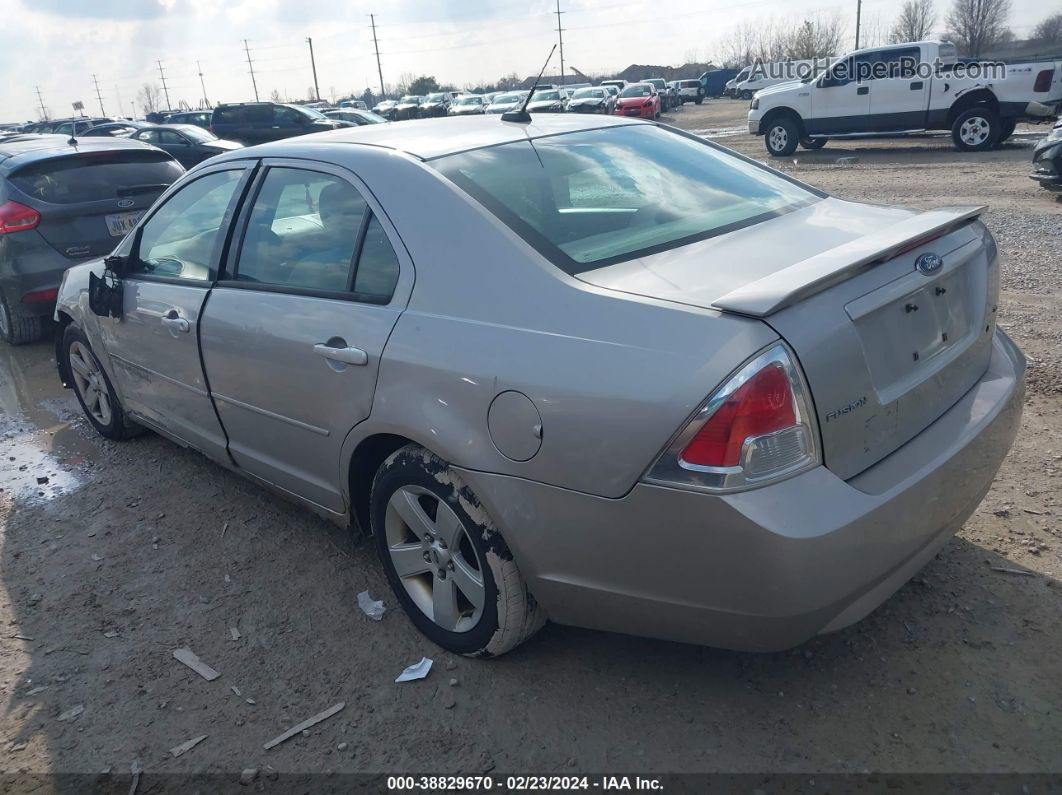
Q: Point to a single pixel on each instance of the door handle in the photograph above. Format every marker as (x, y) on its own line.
(863, 90)
(346, 355)
(174, 322)
(916, 86)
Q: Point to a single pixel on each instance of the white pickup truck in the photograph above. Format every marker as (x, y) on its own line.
(905, 88)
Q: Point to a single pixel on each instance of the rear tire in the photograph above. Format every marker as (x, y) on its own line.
(1007, 127)
(745, 95)
(782, 136)
(17, 328)
(93, 388)
(460, 585)
(976, 130)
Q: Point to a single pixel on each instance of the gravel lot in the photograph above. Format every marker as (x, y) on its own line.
(130, 551)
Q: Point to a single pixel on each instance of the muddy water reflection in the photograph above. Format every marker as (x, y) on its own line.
(41, 428)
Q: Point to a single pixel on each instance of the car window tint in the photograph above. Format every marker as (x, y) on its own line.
(593, 198)
(302, 231)
(178, 240)
(150, 136)
(96, 176)
(286, 117)
(170, 137)
(377, 272)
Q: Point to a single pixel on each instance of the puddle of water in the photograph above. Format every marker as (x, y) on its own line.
(41, 427)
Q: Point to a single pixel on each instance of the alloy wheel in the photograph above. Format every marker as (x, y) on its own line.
(778, 138)
(975, 131)
(90, 384)
(434, 558)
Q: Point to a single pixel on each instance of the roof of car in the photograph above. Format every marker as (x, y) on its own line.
(431, 138)
(18, 151)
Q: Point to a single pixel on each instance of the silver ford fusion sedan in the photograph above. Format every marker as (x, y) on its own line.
(647, 385)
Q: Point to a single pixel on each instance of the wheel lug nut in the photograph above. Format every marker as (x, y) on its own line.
(450, 565)
(442, 574)
(427, 557)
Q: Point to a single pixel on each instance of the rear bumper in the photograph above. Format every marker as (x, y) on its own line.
(765, 569)
(29, 267)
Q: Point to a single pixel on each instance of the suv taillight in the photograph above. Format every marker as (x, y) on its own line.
(15, 217)
(1043, 80)
(755, 429)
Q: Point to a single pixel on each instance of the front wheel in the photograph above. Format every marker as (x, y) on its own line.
(782, 136)
(447, 564)
(813, 143)
(976, 129)
(93, 388)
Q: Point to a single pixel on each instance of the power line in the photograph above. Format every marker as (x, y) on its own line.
(250, 66)
(313, 65)
(560, 38)
(376, 45)
(99, 96)
(165, 88)
(206, 102)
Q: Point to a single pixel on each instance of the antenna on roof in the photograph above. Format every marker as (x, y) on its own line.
(522, 115)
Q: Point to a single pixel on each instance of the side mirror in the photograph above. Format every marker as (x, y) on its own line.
(106, 294)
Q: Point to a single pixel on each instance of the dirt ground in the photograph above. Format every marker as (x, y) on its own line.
(129, 551)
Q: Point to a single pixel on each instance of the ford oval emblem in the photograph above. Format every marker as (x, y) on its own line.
(928, 263)
(126, 202)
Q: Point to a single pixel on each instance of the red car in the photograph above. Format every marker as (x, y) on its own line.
(638, 99)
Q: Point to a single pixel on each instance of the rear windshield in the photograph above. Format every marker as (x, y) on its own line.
(93, 176)
(639, 90)
(594, 198)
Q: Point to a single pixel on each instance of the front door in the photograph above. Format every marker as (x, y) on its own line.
(840, 102)
(169, 271)
(293, 333)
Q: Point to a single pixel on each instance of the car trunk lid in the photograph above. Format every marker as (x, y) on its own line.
(886, 348)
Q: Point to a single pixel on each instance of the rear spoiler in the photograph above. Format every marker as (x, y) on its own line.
(815, 274)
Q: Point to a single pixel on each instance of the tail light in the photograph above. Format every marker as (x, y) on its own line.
(15, 217)
(755, 429)
(1043, 80)
(40, 295)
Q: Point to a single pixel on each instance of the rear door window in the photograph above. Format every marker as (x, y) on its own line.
(94, 176)
(309, 231)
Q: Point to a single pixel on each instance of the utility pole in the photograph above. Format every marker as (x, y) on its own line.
(313, 65)
(206, 102)
(98, 95)
(165, 89)
(250, 65)
(376, 44)
(44, 113)
(560, 38)
(859, 12)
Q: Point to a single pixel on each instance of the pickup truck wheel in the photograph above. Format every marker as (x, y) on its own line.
(976, 129)
(813, 143)
(699, 99)
(782, 136)
(446, 562)
(1006, 130)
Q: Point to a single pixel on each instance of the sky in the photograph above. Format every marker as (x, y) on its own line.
(58, 45)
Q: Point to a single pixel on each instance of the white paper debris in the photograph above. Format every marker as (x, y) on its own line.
(187, 745)
(72, 714)
(373, 608)
(415, 671)
(189, 658)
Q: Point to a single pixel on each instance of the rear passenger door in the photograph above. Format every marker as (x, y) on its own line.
(292, 335)
(899, 99)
